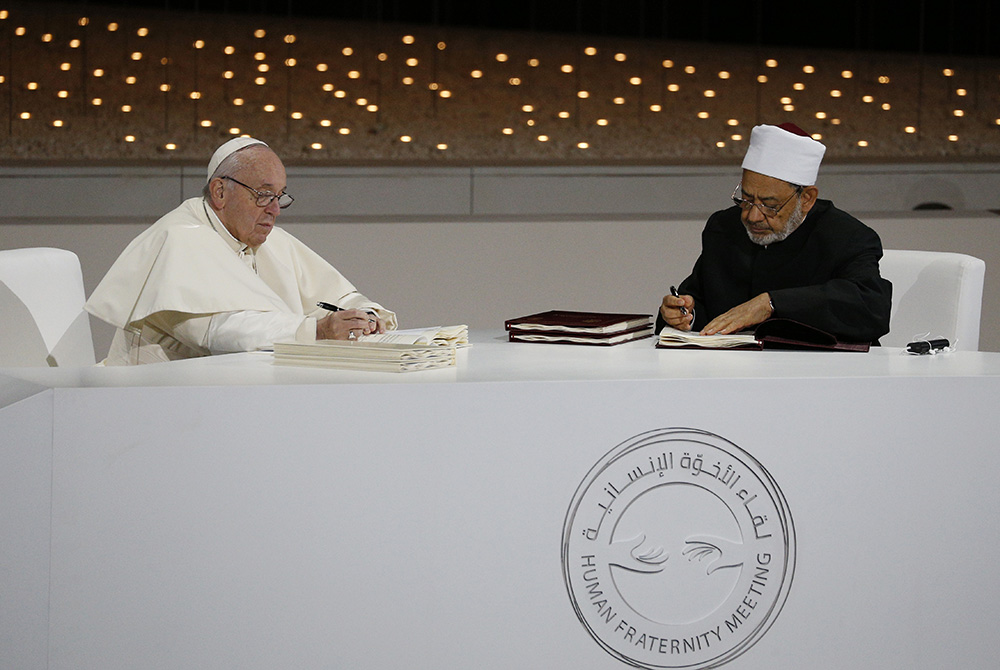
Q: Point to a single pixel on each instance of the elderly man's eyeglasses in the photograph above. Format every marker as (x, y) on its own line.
(265, 198)
(768, 212)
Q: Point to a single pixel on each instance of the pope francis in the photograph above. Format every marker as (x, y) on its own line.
(216, 276)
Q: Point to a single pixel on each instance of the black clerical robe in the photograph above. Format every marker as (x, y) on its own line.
(824, 274)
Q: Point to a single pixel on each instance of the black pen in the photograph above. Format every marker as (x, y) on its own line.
(673, 292)
(329, 306)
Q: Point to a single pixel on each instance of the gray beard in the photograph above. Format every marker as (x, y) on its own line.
(795, 220)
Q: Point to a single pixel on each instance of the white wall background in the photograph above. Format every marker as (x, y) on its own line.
(480, 245)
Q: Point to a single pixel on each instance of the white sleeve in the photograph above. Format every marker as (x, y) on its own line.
(249, 330)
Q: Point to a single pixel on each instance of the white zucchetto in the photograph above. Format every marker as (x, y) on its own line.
(784, 152)
(226, 150)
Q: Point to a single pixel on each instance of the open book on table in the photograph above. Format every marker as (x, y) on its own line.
(771, 334)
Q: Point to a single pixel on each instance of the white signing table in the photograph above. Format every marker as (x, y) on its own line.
(539, 506)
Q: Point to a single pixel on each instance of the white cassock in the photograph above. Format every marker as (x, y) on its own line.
(185, 287)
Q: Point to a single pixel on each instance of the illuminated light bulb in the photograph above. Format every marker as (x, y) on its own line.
(259, 33)
(533, 62)
(514, 81)
(290, 62)
(709, 93)
(206, 123)
(655, 108)
(354, 74)
(347, 51)
(165, 87)
(583, 94)
(543, 138)
(601, 122)
(703, 115)
(799, 86)
(142, 32)
(689, 69)
(112, 27)
(961, 92)
(867, 98)
(886, 106)
(289, 39)
(770, 62)
(820, 115)
(228, 74)
(789, 108)
(909, 129)
(527, 108)
(136, 55)
(732, 122)
(442, 146)
(19, 31)
(720, 144)
(724, 75)
(567, 68)
(817, 136)
(590, 51)
(234, 131)
(47, 37)
(785, 100)
(673, 88)
(529, 122)
(63, 94)
(196, 95)
(58, 123)
(361, 102)
(170, 146)
(762, 79)
(959, 112)
(260, 55)
(316, 146)
(736, 138)
(126, 108)
(326, 123)
(409, 39)
(582, 145)
(372, 108)
(322, 67)
(260, 81)
(501, 58)
(340, 94)
(25, 115)
(835, 93)
(98, 72)
(412, 62)
(32, 86)
(883, 79)
(808, 69)
(407, 81)
(507, 131)
(948, 72)
(667, 63)
(199, 44)
(96, 102)
(269, 108)
(846, 74)
(328, 87)
(441, 46)
(383, 56)
(563, 115)
(229, 50)
(405, 138)
(476, 74)
(862, 143)
(619, 100)
(953, 138)
(130, 80)
(238, 102)
(620, 57)
(130, 138)
(344, 131)
(835, 122)
(635, 81)
(296, 115)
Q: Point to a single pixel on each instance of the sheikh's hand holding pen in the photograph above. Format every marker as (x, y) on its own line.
(677, 310)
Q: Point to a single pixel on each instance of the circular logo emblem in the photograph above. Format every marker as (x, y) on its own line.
(678, 550)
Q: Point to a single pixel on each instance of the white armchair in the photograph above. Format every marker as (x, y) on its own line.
(41, 303)
(935, 293)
